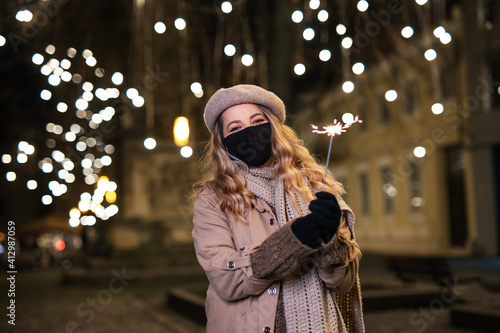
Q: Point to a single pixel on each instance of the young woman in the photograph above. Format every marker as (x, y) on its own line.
(276, 243)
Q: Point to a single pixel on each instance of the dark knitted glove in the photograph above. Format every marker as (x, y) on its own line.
(326, 211)
(308, 231)
(321, 224)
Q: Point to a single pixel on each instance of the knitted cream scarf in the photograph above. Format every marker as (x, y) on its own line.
(309, 306)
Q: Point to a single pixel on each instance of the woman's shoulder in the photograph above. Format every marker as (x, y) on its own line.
(208, 195)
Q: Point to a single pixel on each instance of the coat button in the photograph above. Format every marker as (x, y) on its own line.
(230, 264)
(267, 330)
(271, 221)
(272, 291)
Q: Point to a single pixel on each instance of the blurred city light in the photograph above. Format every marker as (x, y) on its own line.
(407, 32)
(391, 95)
(150, 143)
(299, 69)
(297, 16)
(325, 55)
(229, 50)
(348, 87)
(226, 7)
(160, 27)
(181, 131)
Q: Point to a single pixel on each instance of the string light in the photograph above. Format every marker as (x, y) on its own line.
(247, 60)
(160, 27)
(2, 40)
(54, 80)
(186, 151)
(86, 53)
(37, 59)
(430, 54)
(180, 24)
(132, 93)
(299, 69)
(439, 31)
(46, 200)
(24, 15)
(391, 95)
(347, 42)
(325, 55)
(197, 89)
(323, 15)
(358, 68)
(348, 87)
(138, 101)
(226, 7)
(341, 29)
(71, 52)
(229, 50)
(65, 63)
(91, 61)
(22, 158)
(117, 78)
(56, 72)
(437, 108)
(6, 158)
(31, 184)
(45, 94)
(419, 152)
(308, 34)
(150, 143)
(297, 16)
(314, 4)
(362, 5)
(50, 49)
(445, 38)
(407, 32)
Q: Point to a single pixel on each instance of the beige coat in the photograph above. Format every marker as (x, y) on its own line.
(236, 300)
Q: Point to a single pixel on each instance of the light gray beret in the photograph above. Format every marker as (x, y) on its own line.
(224, 98)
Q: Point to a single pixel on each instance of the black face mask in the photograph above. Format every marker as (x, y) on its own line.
(251, 145)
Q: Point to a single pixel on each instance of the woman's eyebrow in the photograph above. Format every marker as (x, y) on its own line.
(256, 114)
(232, 122)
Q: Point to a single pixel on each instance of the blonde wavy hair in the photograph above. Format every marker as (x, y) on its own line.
(292, 163)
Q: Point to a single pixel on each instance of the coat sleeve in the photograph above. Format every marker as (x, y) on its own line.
(338, 261)
(280, 254)
(228, 270)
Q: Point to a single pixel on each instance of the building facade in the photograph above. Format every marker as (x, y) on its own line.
(421, 171)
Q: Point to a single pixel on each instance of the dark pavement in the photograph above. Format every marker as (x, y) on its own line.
(111, 297)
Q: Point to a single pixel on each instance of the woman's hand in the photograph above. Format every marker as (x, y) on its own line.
(326, 211)
(321, 224)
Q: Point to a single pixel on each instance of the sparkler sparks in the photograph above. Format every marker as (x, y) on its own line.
(337, 128)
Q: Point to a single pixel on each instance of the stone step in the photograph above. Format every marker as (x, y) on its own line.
(163, 275)
(477, 317)
(382, 299)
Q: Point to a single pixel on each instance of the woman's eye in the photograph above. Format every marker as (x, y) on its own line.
(258, 121)
(234, 129)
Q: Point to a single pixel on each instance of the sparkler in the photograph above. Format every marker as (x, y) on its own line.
(337, 128)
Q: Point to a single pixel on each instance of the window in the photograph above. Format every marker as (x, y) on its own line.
(495, 88)
(383, 109)
(416, 197)
(447, 78)
(457, 204)
(365, 195)
(361, 108)
(411, 96)
(388, 189)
